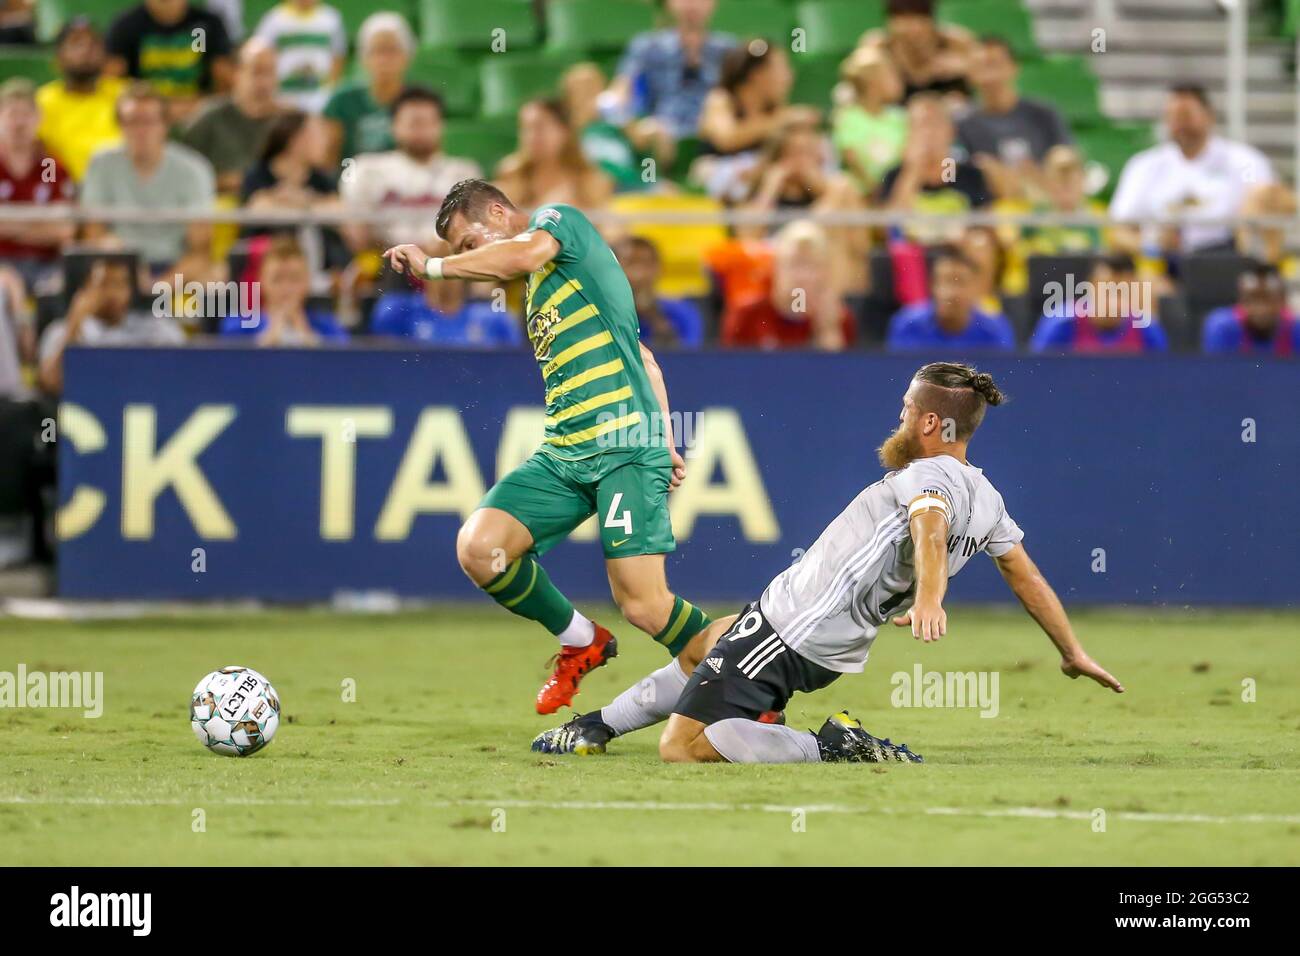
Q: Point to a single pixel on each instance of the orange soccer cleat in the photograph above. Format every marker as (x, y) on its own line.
(571, 664)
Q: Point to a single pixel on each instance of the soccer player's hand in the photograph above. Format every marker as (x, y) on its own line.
(407, 257)
(1084, 666)
(679, 470)
(927, 623)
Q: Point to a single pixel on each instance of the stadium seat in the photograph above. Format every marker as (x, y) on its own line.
(1004, 18)
(52, 14)
(595, 25)
(454, 78)
(1111, 145)
(35, 65)
(814, 78)
(1181, 327)
(1065, 82)
(507, 82)
(484, 141)
(771, 19)
(254, 10)
(1050, 273)
(681, 247)
(1210, 282)
(835, 26)
(478, 24)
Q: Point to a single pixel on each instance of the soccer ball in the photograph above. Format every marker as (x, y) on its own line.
(235, 711)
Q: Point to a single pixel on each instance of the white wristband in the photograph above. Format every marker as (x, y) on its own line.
(433, 267)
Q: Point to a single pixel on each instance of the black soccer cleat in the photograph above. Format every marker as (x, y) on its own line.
(842, 740)
(584, 735)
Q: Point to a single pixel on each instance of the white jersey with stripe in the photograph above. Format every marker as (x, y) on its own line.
(860, 572)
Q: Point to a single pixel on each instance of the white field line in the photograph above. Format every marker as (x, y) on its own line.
(1033, 813)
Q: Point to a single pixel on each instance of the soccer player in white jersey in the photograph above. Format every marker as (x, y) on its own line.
(887, 556)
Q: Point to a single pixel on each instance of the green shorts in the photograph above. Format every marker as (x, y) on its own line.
(626, 490)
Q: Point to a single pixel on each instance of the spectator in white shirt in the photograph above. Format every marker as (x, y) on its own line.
(312, 44)
(417, 174)
(1195, 174)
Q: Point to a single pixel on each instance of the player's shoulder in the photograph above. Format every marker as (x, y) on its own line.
(1221, 331)
(1056, 327)
(940, 473)
(186, 158)
(557, 213)
(918, 315)
(1238, 152)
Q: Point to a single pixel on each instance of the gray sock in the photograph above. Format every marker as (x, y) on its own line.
(748, 741)
(646, 702)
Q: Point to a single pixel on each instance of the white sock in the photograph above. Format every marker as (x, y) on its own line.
(646, 702)
(579, 633)
(747, 741)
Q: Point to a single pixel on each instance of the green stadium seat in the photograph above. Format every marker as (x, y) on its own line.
(454, 77)
(474, 24)
(1067, 83)
(814, 79)
(254, 10)
(355, 11)
(35, 65)
(481, 140)
(52, 14)
(1004, 18)
(771, 19)
(596, 25)
(835, 26)
(507, 82)
(1112, 145)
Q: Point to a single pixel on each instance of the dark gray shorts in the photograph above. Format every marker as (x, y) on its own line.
(749, 671)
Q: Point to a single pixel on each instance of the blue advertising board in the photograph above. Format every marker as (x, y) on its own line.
(216, 472)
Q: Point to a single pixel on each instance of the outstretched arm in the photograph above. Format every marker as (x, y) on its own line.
(1029, 585)
(503, 259)
(929, 526)
(656, 376)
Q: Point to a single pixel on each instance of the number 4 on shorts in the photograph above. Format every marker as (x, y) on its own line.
(623, 521)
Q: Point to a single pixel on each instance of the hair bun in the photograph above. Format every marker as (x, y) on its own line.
(982, 382)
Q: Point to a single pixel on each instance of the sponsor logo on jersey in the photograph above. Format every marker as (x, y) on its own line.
(715, 663)
(540, 334)
(548, 215)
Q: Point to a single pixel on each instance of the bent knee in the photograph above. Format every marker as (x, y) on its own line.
(480, 554)
(674, 750)
(678, 748)
(647, 614)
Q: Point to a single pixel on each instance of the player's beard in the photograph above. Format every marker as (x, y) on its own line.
(899, 449)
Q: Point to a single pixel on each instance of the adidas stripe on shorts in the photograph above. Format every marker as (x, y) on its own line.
(749, 671)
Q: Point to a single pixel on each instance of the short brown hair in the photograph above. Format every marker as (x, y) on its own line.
(470, 198)
(139, 90)
(283, 247)
(957, 392)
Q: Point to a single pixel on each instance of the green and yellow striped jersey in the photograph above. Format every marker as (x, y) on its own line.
(585, 334)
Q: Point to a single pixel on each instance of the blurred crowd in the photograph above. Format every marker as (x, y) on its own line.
(291, 114)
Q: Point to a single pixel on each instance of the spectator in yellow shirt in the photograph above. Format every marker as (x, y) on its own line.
(78, 111)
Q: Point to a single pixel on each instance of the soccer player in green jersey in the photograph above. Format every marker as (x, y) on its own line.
(608, 447)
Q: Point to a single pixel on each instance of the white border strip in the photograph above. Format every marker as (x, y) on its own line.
(1032, 813)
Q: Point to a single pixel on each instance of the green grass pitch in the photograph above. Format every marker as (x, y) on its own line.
(430, 764)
